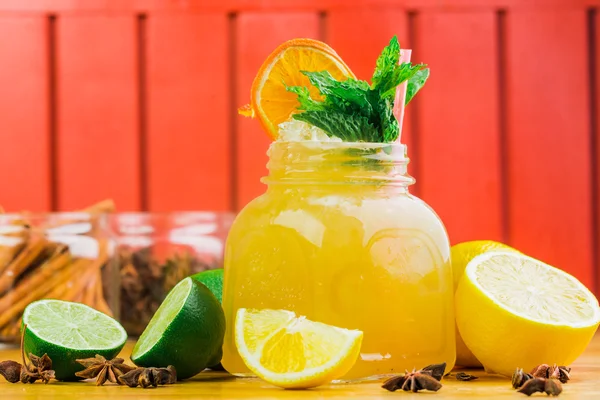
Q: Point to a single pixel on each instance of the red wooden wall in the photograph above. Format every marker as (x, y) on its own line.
(136, 100)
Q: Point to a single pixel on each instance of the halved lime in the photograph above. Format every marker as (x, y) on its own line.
(67, 331)
(187, 331)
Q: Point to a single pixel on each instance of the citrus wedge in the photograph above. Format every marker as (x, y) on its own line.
(515, 311)
(270, 101)
(293, 352)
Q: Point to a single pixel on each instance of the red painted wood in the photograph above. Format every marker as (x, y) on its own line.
(142, 6)
(98, 119)
(596, 153)
(358, 36)
(24, 114)
(458, 120)
(188, 113)
(548, 138)
(257, 35)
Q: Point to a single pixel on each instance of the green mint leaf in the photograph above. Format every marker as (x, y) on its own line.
(415, 83)
(352, 109)
(307, 103)
(349, 95)
(349, 128)
(386, 63)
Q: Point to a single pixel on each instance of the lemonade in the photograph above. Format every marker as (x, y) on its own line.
(338, 238)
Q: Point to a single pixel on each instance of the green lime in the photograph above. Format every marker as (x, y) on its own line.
(187, 331)
(212, 279)
(67, 331)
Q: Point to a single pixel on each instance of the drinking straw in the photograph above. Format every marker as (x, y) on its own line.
(401, 92)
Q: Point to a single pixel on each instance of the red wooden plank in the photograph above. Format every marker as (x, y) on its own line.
(277, 5)
(458, 120)
(359, 36)
(188, 112)
(24, 118)
(548, 138)
(596, 153)
(257, 35)
(98, 141)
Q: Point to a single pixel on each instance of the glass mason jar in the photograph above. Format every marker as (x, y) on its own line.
(64, 255)
(338, 238)
(154, 251)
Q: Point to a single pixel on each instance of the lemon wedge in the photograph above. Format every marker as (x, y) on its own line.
(293, 352)
(515, 311)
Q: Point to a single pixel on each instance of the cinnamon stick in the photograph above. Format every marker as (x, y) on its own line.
(16, 305)
(104, 206)
(34, 249)
(100, 302)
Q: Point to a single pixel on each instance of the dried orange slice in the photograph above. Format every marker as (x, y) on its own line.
(269, 100)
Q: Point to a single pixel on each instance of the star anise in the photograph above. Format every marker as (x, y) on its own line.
(11, 371)
(39, 369)
(550, 386)
(519, 377)
(427, 378)
(463, 376)
(149, 377)
(559, 372)
(102, 369)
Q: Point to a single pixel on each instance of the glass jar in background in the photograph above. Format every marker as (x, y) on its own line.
(154, 251)
(66, 256)
(338, 238)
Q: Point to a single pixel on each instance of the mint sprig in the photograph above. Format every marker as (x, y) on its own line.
(352, 109)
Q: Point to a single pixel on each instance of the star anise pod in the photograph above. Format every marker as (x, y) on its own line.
(11, 371)
(463, 376)
(559, 372)
(102, 369)
(427, 378)
(41, 368)
(550, 386)
(562, 373)
(149, 377)
(519, 377)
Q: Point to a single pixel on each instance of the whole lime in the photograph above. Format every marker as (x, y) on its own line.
(212, 279)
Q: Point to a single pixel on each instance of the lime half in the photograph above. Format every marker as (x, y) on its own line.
(67, 331)
(187, 331)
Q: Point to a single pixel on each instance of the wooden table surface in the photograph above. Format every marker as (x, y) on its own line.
(585, 384)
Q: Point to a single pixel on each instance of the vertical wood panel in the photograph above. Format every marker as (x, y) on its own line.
(24, 114)
(257, 35)
(458, 117)
(595, 63)
(98, 141)
(188, 115)
(358, 36)
(548, 138)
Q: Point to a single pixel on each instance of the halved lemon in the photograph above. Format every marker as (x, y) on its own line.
(269, 99)
(293, 352)
(461, 254)
(515, 311)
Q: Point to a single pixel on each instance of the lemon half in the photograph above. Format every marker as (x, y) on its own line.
(515, 311)
(461, 254)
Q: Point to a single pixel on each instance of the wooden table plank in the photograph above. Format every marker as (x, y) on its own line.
(209, 385)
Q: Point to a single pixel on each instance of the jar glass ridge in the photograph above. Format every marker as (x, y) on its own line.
(338, 238)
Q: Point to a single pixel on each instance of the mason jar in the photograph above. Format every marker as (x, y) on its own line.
(338, 238)
(62, 255)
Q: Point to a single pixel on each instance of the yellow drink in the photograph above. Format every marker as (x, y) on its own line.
(338, 238)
